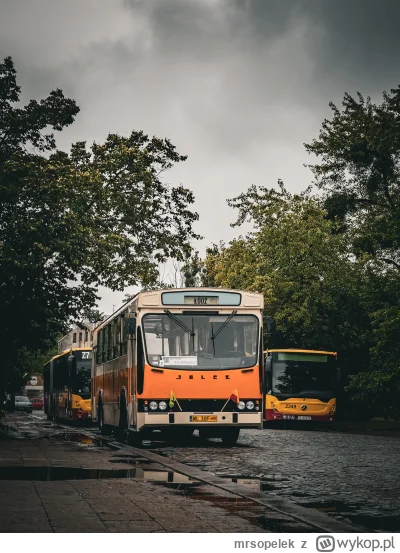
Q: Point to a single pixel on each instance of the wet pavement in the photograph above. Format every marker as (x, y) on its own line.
(353, 476)
(349, 477)
(52, 480)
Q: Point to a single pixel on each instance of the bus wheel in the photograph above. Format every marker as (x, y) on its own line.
(203, 435)
(230, 436)
(178, 436)
(134, 438)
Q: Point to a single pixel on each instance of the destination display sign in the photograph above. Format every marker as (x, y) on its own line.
(178, 360)
(201, 300)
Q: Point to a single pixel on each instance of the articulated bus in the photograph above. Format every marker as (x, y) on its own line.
(66, 383)
(178, 360)
(300, 385)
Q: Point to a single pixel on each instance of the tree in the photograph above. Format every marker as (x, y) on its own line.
(191, 271)
(358, 171)
(93, 315)
(302, 267)
(70, 222)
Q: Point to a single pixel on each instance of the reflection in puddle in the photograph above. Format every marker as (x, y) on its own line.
(241, 507)
(77, 473)
(130, 461)
(77, 438)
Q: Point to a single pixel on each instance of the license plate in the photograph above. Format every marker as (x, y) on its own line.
(201, 300)
(203, 418)
(301, 418)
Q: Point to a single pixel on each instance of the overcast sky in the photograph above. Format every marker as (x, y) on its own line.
(237, 85)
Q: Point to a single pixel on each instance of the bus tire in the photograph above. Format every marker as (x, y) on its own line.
(179, 436)
(230, 436)
(134, 438)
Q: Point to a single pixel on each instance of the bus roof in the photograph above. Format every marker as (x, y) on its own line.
(69, 351)
(154, 298)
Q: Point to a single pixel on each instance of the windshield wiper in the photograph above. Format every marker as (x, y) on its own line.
(213, 336)
(179, 323)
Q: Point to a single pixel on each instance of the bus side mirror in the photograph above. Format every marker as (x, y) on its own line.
(270, 325)
(338, 374)
(130, 326)
(268, 374)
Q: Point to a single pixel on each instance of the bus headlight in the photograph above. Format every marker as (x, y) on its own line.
(250, 405)
(153, 405)
(162, 405)
(241, 405)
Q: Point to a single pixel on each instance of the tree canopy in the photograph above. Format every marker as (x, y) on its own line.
(71, 221)
(328, 262)
(302, 267)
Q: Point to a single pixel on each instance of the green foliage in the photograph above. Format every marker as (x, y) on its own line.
(377, 392)
(191, 271)
(302, 267)
(358, 171)
(70, 222)
(93, 315)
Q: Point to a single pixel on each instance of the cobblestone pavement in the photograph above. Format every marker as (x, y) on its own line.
(57, 481)
(345, 475)
(348, 476)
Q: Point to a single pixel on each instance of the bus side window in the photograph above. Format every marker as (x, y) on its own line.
(114, 338)
(117, 337)
(105, 342)
(99, 347)
(110, 341)
(124, 341)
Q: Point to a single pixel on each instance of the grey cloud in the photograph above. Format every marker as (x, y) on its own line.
(238, 85)
(356, 41)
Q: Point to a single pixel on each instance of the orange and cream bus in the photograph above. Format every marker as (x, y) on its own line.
(66, 385)
(180, 360)
(300, 385)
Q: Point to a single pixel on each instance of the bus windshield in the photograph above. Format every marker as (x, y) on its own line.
(303, 375)
(83, 374)
(201, 341)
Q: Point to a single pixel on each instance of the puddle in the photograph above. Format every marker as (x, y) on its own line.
(77, 438)
(78, 473)
(140, 461)
(239, 506)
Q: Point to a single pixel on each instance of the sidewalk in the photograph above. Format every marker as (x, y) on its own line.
(51, 484)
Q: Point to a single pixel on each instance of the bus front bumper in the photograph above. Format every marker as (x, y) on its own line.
(271, 416)
(198, 420)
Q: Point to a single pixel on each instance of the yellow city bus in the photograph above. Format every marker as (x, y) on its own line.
(300, 385)
(66, 385)
(180, 360)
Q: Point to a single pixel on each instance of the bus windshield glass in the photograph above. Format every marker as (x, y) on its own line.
(201, 341)
(303, 375)
(83, 374)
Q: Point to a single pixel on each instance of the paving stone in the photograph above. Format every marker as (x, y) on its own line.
(134, 526)
(362, 471)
